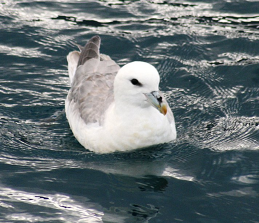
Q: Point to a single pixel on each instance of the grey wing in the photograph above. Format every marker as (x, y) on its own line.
(90, 50)
(92, 86)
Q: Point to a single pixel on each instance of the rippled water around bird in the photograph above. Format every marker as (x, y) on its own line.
(207, 53)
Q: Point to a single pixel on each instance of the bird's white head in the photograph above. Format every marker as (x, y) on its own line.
(137, 84)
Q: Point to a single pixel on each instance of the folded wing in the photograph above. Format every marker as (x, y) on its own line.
(91, 76)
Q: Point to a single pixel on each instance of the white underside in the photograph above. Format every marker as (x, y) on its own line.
(133, 128)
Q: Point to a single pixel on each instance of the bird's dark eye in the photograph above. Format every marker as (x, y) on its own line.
(135, 82)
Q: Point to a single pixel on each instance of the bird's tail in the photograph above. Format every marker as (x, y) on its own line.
(90, 50)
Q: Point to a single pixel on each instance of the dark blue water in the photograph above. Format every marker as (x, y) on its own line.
(207, 53)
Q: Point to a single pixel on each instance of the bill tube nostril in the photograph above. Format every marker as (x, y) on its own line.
(156, 100)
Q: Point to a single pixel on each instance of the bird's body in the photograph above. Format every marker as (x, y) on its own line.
(115, 109)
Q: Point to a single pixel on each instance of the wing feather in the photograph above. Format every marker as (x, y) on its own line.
(91, 50)
(91, 92)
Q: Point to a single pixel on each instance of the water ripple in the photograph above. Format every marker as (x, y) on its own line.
(207, 55)
(64, 208)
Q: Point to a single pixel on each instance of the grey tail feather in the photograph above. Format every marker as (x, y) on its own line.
(90, 50)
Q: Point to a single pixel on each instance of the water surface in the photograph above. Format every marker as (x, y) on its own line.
(207, 53)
